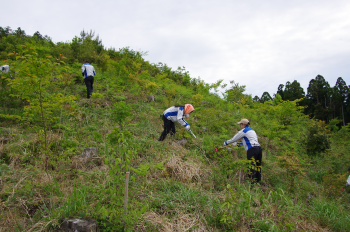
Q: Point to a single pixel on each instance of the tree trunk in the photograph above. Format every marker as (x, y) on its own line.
(342, 109)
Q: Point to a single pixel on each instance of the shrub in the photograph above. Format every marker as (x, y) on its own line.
(120, 111)
(333, 184)
(317, 139)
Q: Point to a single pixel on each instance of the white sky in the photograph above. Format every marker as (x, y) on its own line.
(260, 44)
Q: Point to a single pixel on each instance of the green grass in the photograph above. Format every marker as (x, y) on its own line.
(33, 199)
(330, 212)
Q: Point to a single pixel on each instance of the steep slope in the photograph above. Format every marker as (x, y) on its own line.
(172, 187)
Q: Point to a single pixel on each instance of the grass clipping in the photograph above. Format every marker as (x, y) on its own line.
(185, 171)
(180, 222)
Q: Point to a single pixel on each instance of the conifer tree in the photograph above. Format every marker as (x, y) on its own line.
(280, 91)
(293, 91)
(317, 98)
(339, 95)
(265, 97)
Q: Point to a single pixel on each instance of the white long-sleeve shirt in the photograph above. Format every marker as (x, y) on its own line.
(5, 68)
(88, 70)
(348, 182)
(250, 138)
(176, 114)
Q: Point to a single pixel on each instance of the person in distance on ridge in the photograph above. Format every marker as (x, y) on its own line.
(175, 114)
(88, 72)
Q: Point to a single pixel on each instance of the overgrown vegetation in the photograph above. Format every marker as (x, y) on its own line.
(46, 123)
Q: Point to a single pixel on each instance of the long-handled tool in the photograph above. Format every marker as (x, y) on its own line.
(193, 134)
(230, 145)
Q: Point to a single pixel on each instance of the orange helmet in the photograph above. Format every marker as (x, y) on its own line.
(188, 108)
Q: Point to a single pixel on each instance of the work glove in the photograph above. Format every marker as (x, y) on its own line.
(225, 143)
(187, 127)
(234, 144)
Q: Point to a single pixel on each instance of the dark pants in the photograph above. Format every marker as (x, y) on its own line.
(256, 153)
(89, 81)
(169, 126)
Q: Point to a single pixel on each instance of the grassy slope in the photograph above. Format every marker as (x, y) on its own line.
(177, 188)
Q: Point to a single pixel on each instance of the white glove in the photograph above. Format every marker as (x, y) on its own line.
(234, 144)
(187, 127)
(225, 143)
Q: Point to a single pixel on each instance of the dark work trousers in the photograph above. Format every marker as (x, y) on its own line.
(89, 81)
(256, 153)
(169, 126)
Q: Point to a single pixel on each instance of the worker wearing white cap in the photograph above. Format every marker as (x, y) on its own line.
(251, 145)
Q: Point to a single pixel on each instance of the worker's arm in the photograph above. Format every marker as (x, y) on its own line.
(237, 137)
(83, 70)
(184, 123)
(181, 120)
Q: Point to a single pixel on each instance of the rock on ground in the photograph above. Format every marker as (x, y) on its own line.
(150, 98)
(78, 225)
(182, 142)
(88, 154)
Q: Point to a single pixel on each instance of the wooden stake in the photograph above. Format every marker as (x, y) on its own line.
(126, 192)
(239, 178)
(126, 197)
(342, 109)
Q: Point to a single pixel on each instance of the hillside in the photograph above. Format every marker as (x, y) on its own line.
(180, 184)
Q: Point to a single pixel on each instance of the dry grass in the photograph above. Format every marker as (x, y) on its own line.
(83, 164)
(190, 170)
(305, 224)
(179, 222)
(10, 218)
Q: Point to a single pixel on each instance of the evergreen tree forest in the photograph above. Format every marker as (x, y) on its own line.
(321, 101)
(48, 128)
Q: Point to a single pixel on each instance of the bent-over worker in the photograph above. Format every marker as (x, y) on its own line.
(175, 114)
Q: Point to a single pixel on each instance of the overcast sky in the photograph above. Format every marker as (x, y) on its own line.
(260, 44)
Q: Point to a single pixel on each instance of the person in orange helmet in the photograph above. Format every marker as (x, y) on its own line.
(175, 114)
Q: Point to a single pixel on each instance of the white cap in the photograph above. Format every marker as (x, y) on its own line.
(243, 121)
